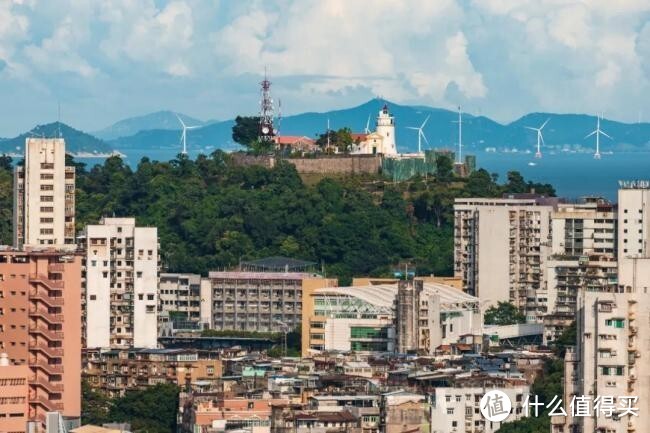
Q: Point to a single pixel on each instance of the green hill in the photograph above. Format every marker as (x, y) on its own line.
(76, 141)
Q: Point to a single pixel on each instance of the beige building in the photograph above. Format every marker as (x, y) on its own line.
(44, 196)
(179, 302)
(500, 246)
(583, 257)
(121, 284)
(261, 297)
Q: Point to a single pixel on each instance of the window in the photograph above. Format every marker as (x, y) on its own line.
(616, 323)
(48, 198)
(47, 220)
(139, 274)
(93, 297)
(150, 309)
(46, 187)
(150, 297)
(450, 411)
(47, 176)
(140, 297)
(47, 231)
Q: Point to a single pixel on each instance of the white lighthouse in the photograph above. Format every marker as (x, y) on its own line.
(386, 128)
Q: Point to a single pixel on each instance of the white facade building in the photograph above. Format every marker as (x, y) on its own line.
(179, 301)
(121, 284)
(382, 140)
(457, 409)
(611, 358)
(44, 196)
(500, 248)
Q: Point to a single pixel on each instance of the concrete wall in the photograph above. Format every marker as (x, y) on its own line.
(370, 164)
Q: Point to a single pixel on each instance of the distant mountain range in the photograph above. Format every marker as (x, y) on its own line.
(164, 120)
(159, 133)
(76, 141)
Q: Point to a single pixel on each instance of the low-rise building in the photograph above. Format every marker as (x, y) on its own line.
(117, 370)
(179, 302)
(376, 318)
(457, 407)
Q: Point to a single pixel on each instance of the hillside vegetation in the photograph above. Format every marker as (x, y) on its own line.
(212, 214)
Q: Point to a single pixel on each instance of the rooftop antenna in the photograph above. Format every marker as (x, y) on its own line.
(328, 133)
(421, 133)
(184, 133)
(58, 121)
(598, 133)
(540, 139)
(367, 130)
(277, 132)
(460, 135)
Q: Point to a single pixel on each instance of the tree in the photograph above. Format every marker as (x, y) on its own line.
(503, 314)
(245, 131)
(152, 410)
(95, 406)
(444, 168)
(341, 140)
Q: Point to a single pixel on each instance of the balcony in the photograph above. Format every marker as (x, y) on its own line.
(46, 384)
(50, 369)
(47, 403)
(47, 333)
(50, 352)
(44, 280)
(56, 267)
(48, 317)
(42, 296)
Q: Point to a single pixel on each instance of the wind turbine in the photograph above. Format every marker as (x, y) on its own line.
(598, 133)
(184, 134)
(540, 138)
(420, 133)
(367, 130)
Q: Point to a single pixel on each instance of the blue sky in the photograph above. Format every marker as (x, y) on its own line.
(104, 60)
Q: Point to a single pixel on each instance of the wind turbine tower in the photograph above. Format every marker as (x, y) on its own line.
(460, 135)
(184, 134)
(598, 132)
(540, 138)
(421, 135)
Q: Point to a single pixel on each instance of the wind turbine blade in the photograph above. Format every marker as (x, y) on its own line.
(193, 127)
(544, 124)
(591, 133)
(425, 138)
(180, 120)
(531, 128)
(541, 138)
(605, 134)
(425, 121)
(413, 127)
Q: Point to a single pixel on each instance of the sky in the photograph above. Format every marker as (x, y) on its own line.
(105, 60)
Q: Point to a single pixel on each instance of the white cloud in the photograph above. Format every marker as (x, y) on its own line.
(58, 53)
(14, 28)
(148, 35)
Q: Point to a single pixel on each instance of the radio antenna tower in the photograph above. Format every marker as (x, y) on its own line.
(266, 132)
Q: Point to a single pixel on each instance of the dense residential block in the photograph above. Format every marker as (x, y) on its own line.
(121, 284)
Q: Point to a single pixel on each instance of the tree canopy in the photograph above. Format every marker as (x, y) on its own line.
(212, 213)
(503, 314)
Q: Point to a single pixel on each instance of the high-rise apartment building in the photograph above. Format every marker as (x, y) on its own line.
(44, 196)
(179, 302)
(583, 257)
(500, 247)
(121, 284)
(40, 331)
(611, 358)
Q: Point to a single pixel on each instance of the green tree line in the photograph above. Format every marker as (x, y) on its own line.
(212, 213)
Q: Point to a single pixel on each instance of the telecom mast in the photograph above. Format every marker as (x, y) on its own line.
(266, 131)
